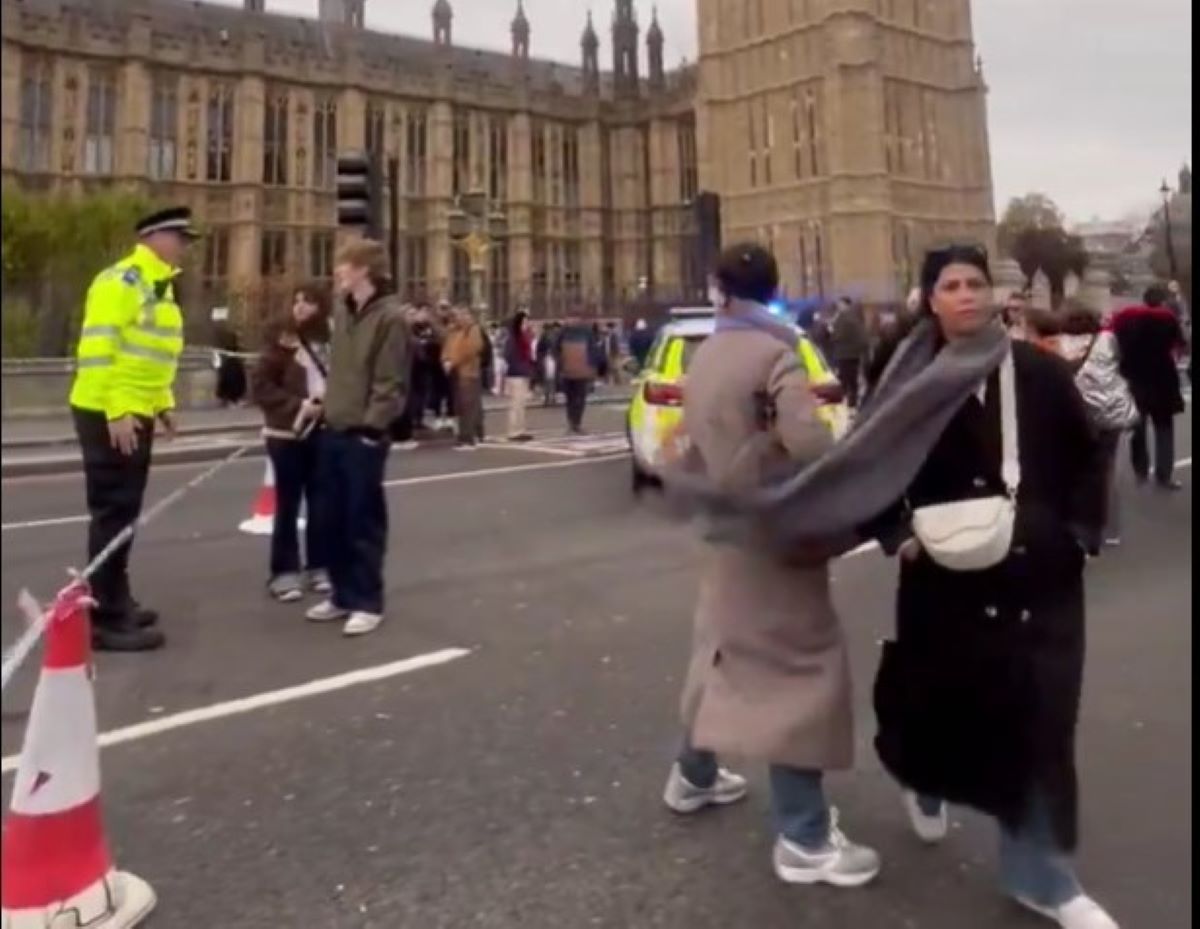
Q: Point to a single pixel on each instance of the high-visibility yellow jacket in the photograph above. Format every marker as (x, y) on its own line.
(131, 339)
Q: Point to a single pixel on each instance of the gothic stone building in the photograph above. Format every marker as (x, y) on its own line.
(844, 132)
(849, 134)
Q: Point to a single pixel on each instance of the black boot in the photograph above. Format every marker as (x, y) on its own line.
(125, 634)
(144, 616)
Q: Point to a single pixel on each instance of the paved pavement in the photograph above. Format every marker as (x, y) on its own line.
(18, 432)
(517, 787)
(212, 434)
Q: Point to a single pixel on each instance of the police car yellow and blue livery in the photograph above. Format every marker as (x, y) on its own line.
(656, 411)
(131, 339)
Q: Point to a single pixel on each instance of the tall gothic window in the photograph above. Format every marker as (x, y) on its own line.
(163, 148)
(37, 106)
(752, 138)
(101, 127)
(219, 166)
(273, 254)
(325, 143)
(570, 155)
(416, 257)
(461, 155)
(539, 162)
(377, 128)
(415, 151)
(810, 106)
(276, 146)
(498, 158)
(689, 178)
(498, 279)
(320, 255)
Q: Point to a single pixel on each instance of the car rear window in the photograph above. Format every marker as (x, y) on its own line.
(690, 344)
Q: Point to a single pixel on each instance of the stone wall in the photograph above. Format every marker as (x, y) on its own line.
(40, 387)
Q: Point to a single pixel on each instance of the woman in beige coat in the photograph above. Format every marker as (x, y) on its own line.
(769, 677)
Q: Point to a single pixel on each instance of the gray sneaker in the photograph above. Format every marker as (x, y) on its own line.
(840, 863)
(318, 581)
(286, 588)
(684, 797)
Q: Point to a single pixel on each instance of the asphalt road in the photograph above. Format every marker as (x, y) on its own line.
(518, 785)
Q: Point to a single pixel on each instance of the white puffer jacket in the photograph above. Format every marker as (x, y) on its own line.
(1106, 393)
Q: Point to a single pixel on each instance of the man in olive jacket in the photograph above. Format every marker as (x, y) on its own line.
(369, 371)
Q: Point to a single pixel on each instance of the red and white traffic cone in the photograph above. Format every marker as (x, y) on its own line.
(57, 872)
(262, 520)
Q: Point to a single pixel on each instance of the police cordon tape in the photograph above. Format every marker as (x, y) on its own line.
(15, 655)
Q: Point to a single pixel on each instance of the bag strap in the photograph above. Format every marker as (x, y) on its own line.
(1087, 353)
(1010, 469)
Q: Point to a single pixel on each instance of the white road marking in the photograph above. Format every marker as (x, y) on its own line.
(44, 523)
(396, 482)
(261, 701)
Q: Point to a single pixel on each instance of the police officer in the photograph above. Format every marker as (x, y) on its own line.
(129, 349)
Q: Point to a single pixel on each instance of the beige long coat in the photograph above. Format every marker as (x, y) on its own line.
(769, 677)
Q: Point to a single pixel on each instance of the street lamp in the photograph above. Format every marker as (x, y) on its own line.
(1165, 190)
(475, 224)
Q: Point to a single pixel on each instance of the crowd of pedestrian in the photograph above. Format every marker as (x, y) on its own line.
(983, 457)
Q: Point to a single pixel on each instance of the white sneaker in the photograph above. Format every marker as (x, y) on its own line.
(1081, 912)
(840, 863)
(326, 612)
(684, 797)
(929, 829)
(410, 446)
(361, 623)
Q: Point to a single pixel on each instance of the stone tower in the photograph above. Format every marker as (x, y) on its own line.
(625, 49)
(443, 20)
(520, 33)
(846, 135)
(654, 54)
(341, 12)
(590, 45)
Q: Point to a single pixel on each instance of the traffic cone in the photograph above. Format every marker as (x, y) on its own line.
(262, 520)
(57, 872)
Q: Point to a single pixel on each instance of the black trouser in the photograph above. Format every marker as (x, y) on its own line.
(441, 393)
(576, 391)
(116, 485)
(1164, 448)
(468, 401)
(352, 477)
(297, 479)
(848, 374)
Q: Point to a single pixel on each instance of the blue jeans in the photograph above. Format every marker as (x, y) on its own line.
(296, 463)
(798, 804)
(357, 519)
(1032, 866)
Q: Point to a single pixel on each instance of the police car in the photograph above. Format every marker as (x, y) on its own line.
(656, 411)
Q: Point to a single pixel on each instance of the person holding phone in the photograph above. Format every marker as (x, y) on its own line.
(288, 385)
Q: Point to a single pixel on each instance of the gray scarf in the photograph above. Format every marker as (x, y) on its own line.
(923, 386)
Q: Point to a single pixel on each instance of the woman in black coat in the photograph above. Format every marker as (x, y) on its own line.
(977, 697)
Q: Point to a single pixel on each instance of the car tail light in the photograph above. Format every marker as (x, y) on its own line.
(831, 393)
(657, 394)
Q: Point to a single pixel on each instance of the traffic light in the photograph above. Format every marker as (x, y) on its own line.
(360, 194)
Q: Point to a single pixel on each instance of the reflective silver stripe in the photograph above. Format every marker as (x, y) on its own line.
(156, 354)
(165, 331)
(97, 361)
(88, 331)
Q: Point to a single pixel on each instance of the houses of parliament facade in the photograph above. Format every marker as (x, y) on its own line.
(846, 134)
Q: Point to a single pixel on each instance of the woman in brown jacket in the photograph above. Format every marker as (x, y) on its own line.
(283, 388)
(769, 676)
(462, 357)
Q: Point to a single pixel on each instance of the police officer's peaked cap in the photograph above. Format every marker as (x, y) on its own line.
(175, 219)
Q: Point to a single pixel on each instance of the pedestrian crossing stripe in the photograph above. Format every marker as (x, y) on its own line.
(572, 446)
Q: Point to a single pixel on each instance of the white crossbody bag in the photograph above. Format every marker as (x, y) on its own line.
(973, 535)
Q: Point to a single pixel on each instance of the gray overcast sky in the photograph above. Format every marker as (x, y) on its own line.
(1091, 100)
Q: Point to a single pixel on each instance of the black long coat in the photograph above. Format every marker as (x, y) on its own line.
(977, 697)
(1148, 338)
